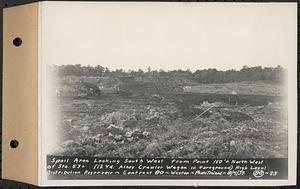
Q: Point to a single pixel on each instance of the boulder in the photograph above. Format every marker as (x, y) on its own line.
(131, 122)
(128, 134)
(136, 133)
(130, 139)
(157, 97)
(115, 118)
(85, 128)
(146, 133)
(232, 143)
(215, 116)
(70, 143)
(114, 129)
(118, 137)
(152, 150)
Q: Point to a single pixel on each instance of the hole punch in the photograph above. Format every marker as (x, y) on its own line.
(14, 143)
(17, 42)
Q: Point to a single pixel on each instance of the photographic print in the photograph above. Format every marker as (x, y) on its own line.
(168, 90)
(205, 113)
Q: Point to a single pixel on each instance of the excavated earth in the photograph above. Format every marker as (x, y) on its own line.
(172, 125)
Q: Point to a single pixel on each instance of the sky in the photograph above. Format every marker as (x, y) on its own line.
(169, 36)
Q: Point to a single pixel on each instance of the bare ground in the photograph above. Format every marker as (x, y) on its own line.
(172, 126)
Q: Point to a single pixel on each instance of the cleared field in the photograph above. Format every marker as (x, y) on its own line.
(250, 88)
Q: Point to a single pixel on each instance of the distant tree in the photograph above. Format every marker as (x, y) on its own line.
(106, 71)
(273, 74)
(99, 70)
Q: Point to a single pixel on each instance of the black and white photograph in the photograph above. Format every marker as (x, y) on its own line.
(169, 81)
(205, 113)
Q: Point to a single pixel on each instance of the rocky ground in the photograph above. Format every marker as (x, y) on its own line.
(154, 126)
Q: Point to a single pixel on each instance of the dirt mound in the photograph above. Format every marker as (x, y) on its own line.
(235, 116)
(152, 150)
(116, 118)
(115, 129)
(153, 128)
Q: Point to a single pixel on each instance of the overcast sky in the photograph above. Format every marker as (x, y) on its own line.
(169, 35)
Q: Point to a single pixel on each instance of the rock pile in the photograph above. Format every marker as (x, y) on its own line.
(123, 127)
(116, 118)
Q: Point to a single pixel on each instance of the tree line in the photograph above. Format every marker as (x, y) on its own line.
(205, 76)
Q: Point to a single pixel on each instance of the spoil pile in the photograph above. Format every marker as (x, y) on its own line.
(159, 129)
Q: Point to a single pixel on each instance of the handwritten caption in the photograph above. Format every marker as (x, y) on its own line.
(223, 168)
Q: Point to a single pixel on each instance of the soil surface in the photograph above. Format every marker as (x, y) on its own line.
(181, 125)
